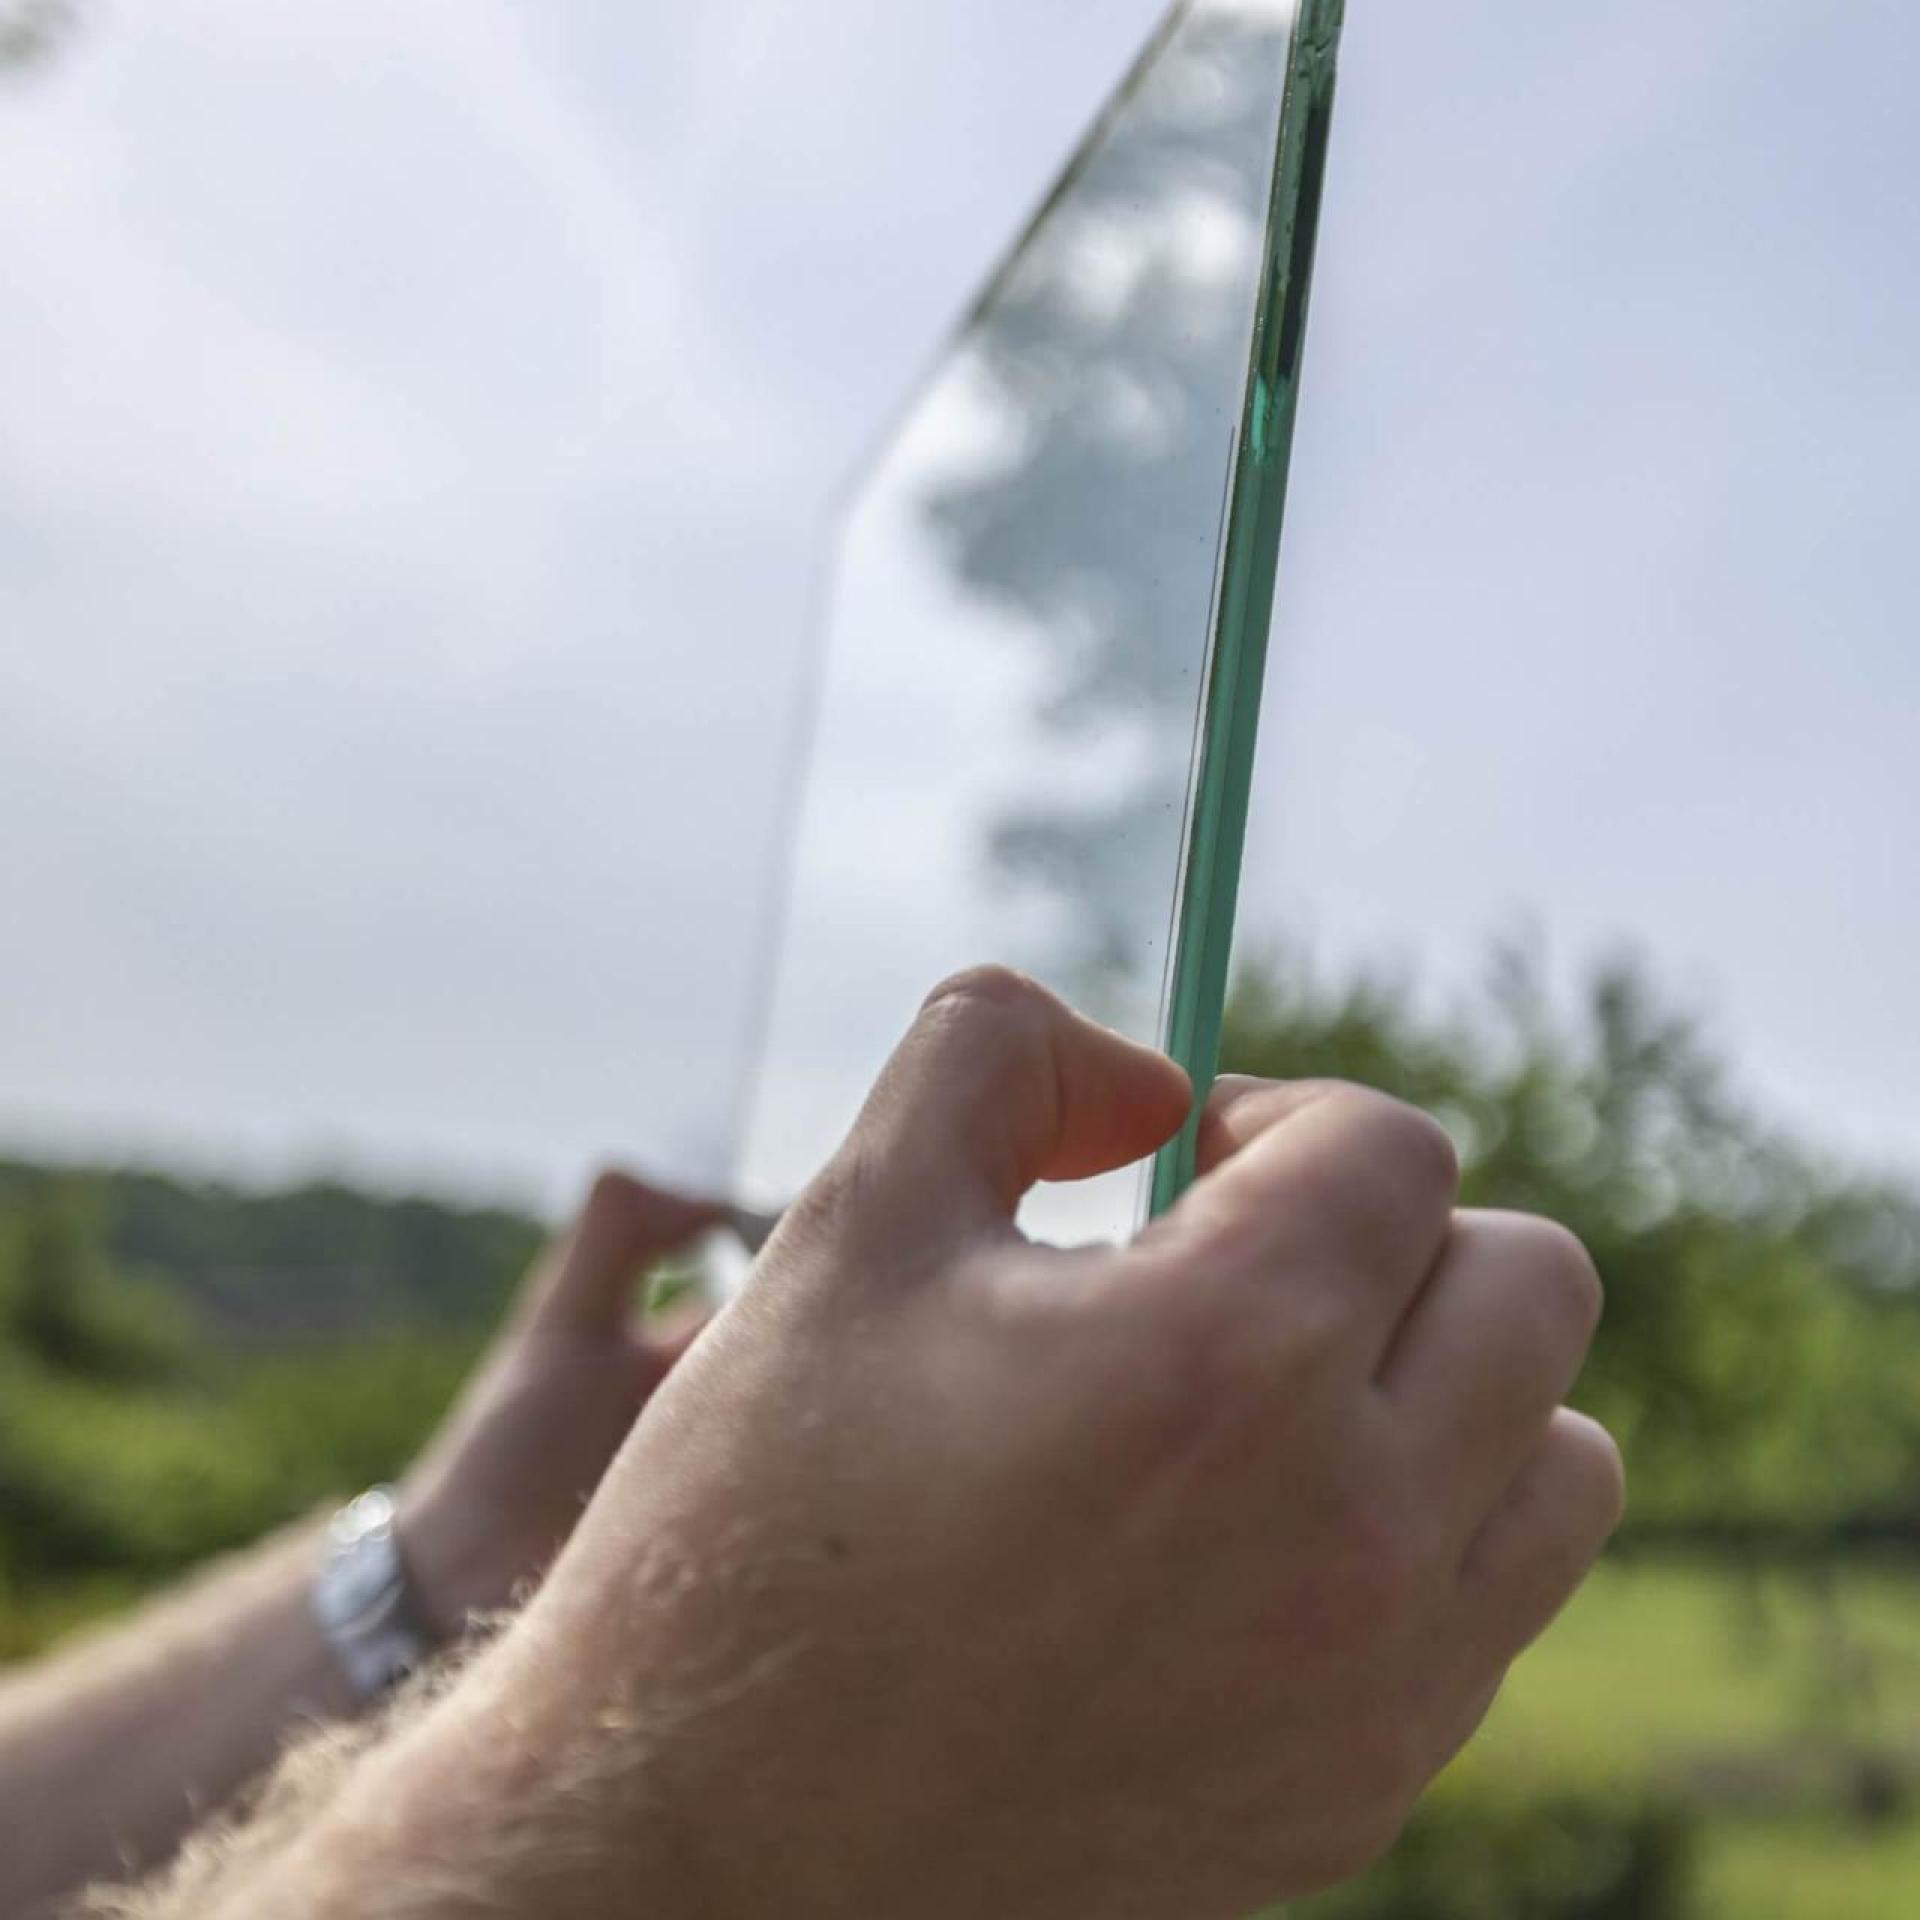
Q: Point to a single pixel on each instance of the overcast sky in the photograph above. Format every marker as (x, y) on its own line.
(419, 425)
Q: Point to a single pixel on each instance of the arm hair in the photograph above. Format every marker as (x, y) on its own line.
(231, 1849)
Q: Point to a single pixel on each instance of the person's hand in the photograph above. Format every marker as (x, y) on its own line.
(500, 1487)
(953, 1576)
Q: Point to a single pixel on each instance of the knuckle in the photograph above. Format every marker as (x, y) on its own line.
(830, 1205)
(1561, 1566)
(1230, 1302)
(1578, 1494)
(1600, 1472)
(991, 987)
(1408, 1146)
(987, 1015)
(1612, 1502)
(1564, 1267)
(1221, 1244)
(612, 1190)
(1219, 1249)
(1420, 1149)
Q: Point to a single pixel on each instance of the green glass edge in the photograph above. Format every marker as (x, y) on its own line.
(1217, 824)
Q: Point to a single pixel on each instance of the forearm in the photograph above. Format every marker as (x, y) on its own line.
(450, 1806)
(109, 1754)
(527, 1774)
(112, 1750)
(519, 1785)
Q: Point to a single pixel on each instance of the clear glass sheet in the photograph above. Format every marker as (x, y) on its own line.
(1024, 596)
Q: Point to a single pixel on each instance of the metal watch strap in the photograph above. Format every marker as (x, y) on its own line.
(363, 1601)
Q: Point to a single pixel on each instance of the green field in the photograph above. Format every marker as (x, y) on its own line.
(1753, 1702)
(1684, 1667)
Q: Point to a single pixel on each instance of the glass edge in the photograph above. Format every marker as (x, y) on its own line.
(1237, 655)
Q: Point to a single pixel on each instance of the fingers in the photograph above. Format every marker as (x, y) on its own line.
(1490, 1349)
(1240, 1109)
(585, 1283)
(1541, 1541)
(999, 1085)
(1347, 1192)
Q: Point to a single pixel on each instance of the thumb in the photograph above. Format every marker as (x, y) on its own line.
(585, 1283)
(998, 1085)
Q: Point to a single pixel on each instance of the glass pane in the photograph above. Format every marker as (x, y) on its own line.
(1023, 597)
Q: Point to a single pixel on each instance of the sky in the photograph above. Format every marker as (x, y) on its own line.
(422, 425)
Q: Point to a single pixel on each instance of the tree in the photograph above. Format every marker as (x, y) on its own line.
(64, 1310)
(1760, 1358)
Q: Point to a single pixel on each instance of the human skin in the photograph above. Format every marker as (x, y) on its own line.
(111, 1750)
(952, 1575)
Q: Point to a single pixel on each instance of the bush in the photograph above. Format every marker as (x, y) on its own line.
(60, 1305)
(100, 1479)
(95, 1478)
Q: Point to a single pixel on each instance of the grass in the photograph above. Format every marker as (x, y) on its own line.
(1810, 1870)
(1668, 1666)
(1745, 1695)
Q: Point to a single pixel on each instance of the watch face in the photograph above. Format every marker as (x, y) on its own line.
(372, 1513)
(357, 1582)
(360, 1598)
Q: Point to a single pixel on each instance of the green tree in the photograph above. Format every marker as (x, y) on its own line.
(63, 1308)
(1761, 1354)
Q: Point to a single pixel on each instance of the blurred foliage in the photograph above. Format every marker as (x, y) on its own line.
(96, 1478)
(322, 1259)
(1568, 1857)
(62, 1307)
(183, 1367)
(1760, 1359)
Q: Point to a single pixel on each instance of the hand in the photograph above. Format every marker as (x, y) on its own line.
(956, 1576)
(496, 1493)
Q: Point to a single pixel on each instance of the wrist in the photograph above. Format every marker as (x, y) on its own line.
(519, 1789)
(456, 1564)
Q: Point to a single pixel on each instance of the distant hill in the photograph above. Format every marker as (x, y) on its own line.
(319, 1260)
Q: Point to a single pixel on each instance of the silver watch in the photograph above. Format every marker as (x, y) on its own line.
(363, 1600)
